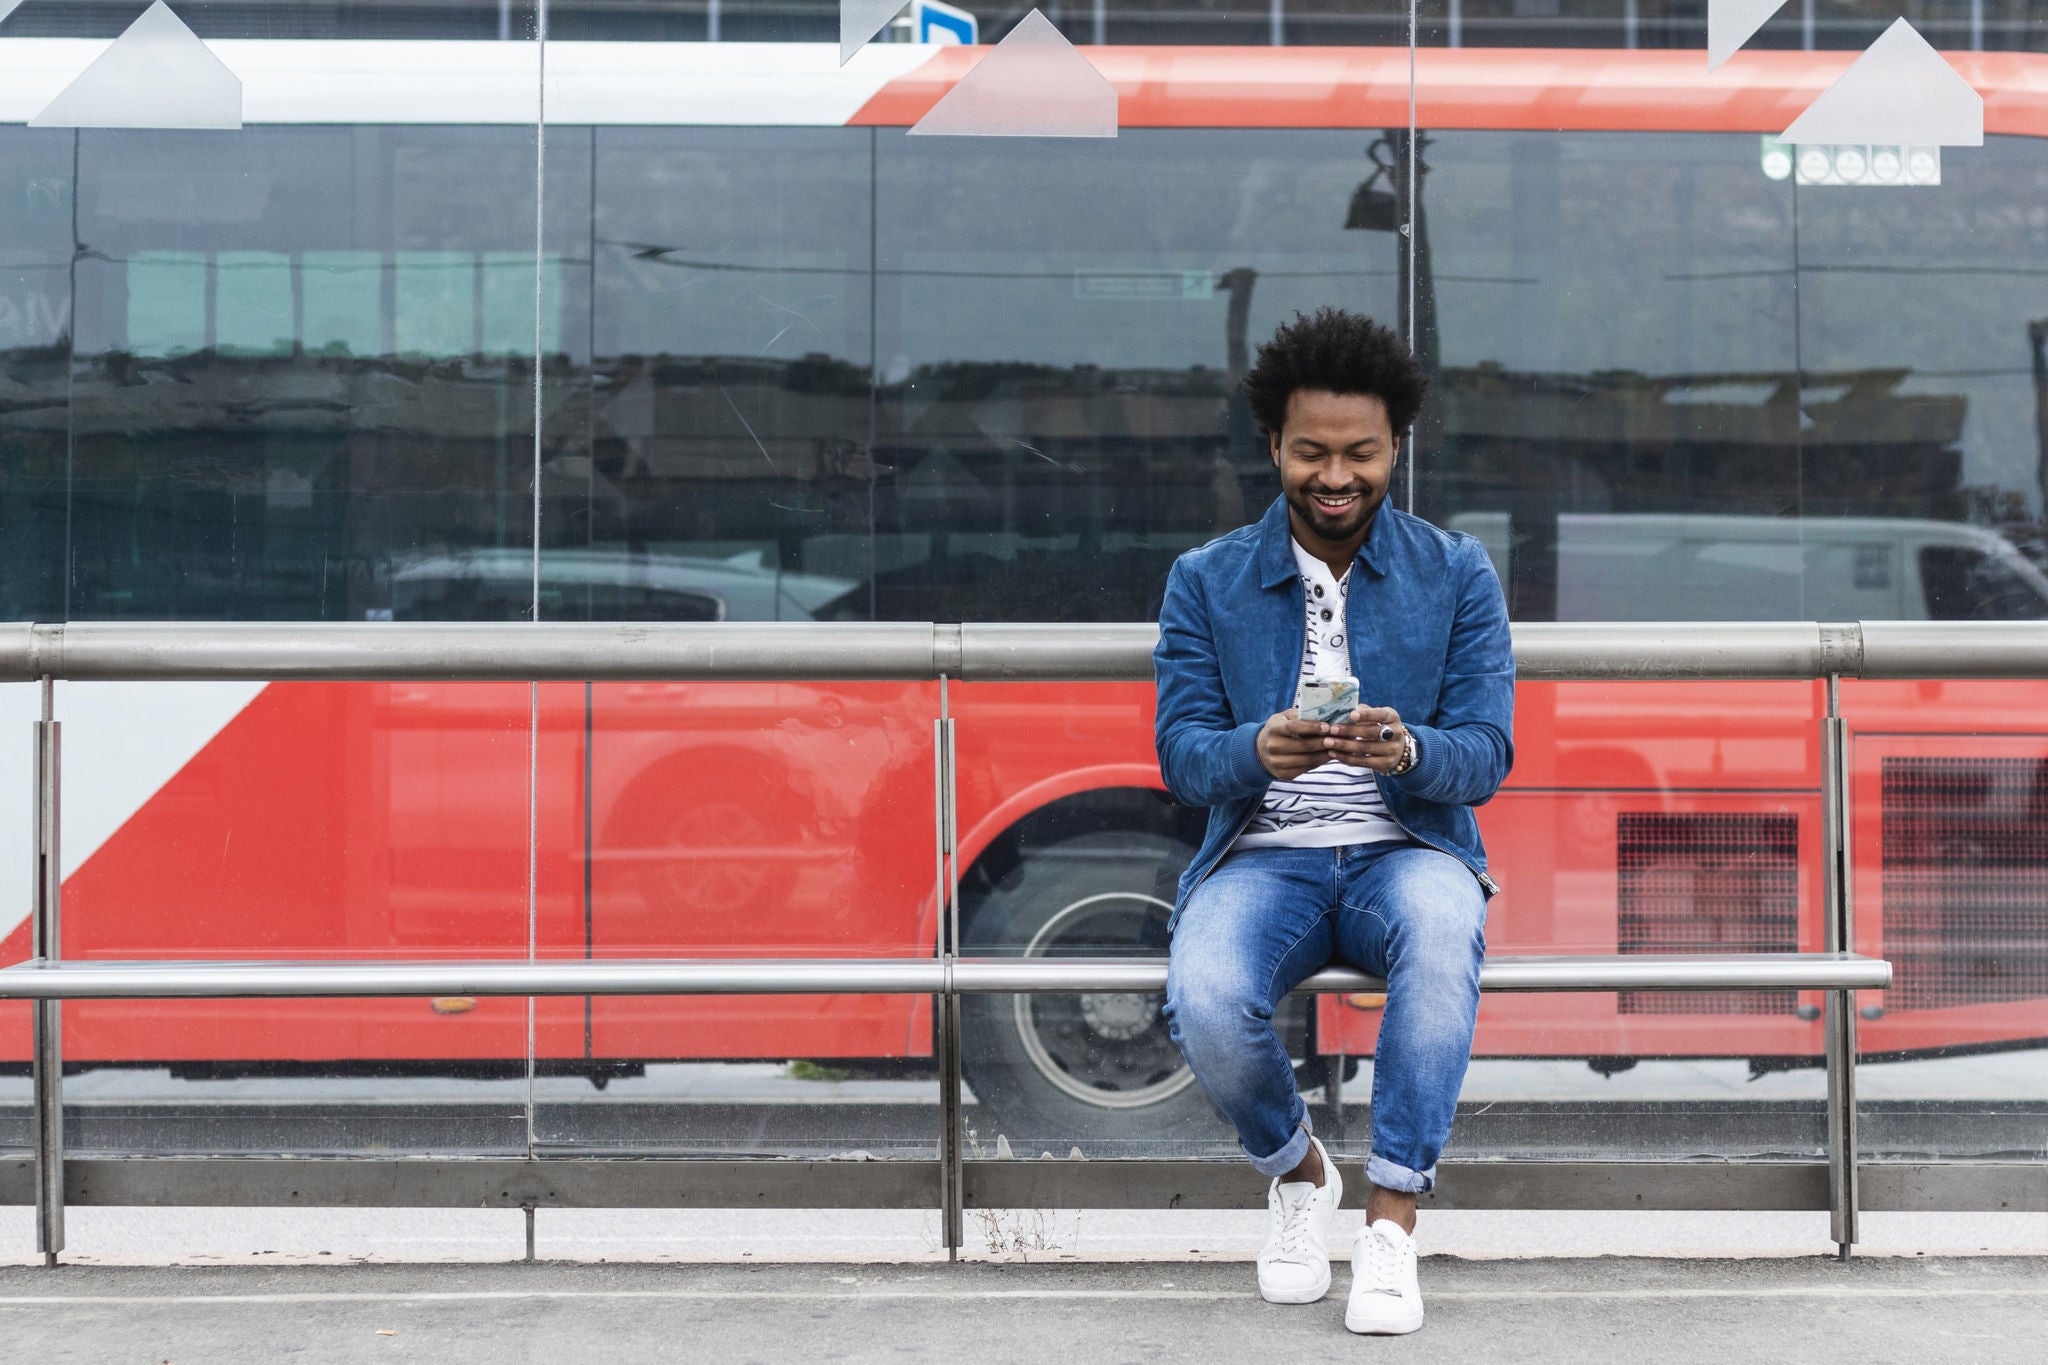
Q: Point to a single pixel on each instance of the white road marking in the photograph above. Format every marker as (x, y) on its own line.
(979, 1295)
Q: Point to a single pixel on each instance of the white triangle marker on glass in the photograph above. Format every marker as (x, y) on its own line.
(1031, 84)
(8, 7)
(156, 75)
(1730, 24)
(860, 21)
(1899, 91)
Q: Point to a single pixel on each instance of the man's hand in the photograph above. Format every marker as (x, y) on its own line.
(1289, 746)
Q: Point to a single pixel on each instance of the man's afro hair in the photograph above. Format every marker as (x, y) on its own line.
(1337, 352)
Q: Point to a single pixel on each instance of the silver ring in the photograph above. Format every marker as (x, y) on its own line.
(1386, 732)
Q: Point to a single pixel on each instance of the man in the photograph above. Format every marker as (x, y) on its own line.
(1351, 842)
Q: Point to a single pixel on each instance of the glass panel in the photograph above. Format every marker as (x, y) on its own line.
(1611, 320)
(1945, 843)
(1058, 344)
(17, 1091)
(737, 820)
(260, 375)
(290, 382)
(712, 462)
(35, 324)
(1949, 843)
(705, 458)
(295, 821)
(20, 705)
(1927, 404)
(827, 372)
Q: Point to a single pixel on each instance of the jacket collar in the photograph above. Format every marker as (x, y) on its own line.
(1276, 543)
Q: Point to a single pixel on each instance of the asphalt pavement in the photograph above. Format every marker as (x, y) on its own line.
(1584, 1312)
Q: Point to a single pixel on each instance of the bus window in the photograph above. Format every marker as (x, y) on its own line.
(1971, 585)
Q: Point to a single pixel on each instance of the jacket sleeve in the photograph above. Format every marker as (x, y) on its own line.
(1466, 753)
(1206, 757)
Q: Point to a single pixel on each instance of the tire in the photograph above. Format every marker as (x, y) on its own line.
(1054, 1070)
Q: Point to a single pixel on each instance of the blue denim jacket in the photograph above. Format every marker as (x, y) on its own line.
(1429, 637)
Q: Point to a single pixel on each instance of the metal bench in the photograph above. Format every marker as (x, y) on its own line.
(913, 652)
(946, 979)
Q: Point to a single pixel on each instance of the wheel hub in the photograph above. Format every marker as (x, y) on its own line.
(1120, 1017)
(1109, 1049)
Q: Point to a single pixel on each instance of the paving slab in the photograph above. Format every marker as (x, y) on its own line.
(1584, 1311)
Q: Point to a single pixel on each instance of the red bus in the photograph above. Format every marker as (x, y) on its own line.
(796, 365)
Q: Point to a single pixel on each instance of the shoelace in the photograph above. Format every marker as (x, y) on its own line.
(1383, 1263)
(1293, 1239)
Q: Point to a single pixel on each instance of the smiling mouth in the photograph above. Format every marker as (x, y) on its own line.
(1334, 504)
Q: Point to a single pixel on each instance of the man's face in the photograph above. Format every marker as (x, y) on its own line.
(1335, 454)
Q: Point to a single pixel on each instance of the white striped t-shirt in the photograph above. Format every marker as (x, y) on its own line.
(1336, 803)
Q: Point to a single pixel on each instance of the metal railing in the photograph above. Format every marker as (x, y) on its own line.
(163, 651)
(158, 651)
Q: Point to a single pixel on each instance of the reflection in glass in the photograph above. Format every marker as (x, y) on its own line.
(1958, 435)
(278, 389)
(813, 1077)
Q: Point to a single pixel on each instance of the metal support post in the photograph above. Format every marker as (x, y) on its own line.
(528, 1208)
(952, 1174)
(1839, 928)
(47, 944)
(1333, 1090)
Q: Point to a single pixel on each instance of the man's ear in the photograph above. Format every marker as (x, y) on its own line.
(1273, 447)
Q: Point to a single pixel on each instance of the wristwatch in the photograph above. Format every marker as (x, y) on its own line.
(1409, 753)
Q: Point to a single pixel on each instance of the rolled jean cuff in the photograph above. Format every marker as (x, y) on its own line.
(1288, 1157)
(1388, 1176)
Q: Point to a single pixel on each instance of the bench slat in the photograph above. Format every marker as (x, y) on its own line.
(877, 976)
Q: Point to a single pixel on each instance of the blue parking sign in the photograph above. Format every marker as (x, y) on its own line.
(941, 23)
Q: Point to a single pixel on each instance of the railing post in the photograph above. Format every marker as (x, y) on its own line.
(47, 1063)
(1839, 928)
(946, 823)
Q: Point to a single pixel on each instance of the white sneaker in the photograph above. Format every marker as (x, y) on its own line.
(1385, 1298)
(1294, 1265)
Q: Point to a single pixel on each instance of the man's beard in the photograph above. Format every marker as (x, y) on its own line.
(1334, 527)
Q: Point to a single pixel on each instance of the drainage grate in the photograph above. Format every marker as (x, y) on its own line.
(1965, 880)
(1708, 883)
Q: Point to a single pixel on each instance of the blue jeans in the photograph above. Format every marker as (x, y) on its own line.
(1268, 917)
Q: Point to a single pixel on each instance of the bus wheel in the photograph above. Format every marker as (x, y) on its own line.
(1060, 1069)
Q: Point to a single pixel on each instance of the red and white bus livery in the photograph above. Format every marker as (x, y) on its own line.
(796, 366)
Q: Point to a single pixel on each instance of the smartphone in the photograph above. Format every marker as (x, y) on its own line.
(1326, 699)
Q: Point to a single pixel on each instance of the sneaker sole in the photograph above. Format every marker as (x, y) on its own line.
(1316, 1295)
(1385, 1327)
